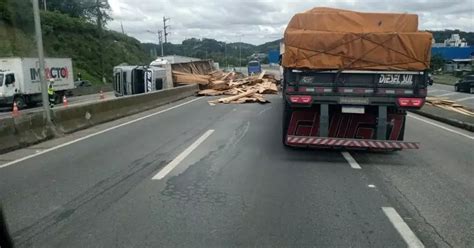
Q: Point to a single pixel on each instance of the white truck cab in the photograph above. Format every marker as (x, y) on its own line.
(8, 87)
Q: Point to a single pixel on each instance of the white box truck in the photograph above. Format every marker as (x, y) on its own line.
(19, 79)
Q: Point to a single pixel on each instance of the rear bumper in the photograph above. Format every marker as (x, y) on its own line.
(311, 141)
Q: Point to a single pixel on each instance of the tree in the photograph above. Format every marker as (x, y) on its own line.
(96, 11)
(437, 62)
(18, 13)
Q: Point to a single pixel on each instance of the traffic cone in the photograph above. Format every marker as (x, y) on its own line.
(101, 95)
(15, 111)
(64, 101)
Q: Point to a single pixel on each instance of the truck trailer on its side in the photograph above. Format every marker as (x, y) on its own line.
(20, 83)
(350, 77)
(131, 80)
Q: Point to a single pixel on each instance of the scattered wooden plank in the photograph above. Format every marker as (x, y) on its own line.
(210, 92)
(445, 103)
(233, 98)
(219, 85)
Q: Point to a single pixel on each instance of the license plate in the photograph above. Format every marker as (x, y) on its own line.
(353, 109)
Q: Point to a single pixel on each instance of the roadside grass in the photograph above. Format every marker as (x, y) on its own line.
(445, 79)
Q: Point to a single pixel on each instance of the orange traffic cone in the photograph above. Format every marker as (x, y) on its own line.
(101, 95)
(64, 101)
(15, 111)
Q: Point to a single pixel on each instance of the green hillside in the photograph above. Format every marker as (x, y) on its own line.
(71, 37)
(71, 30)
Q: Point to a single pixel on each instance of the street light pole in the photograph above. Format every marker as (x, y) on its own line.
(39, 47)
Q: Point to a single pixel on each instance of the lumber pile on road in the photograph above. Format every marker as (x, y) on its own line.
(449, 105)
(234, 86)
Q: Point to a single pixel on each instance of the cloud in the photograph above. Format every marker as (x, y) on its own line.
(259, 21)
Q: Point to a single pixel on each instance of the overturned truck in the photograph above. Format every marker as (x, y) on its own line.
(350, 77)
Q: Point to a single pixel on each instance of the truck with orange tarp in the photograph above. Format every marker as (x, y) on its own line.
(349, 78)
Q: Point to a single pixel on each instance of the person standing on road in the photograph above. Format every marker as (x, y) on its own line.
(79, 76)
(51, 95)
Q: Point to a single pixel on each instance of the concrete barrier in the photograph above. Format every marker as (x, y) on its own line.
(31, 128)
(68, 120)
(8, 140)
(24, 130)
(91, 90)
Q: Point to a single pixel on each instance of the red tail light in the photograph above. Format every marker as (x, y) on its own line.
(301, 99)
(410, 102)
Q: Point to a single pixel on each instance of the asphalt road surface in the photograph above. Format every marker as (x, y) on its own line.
(193, 175)
(442, 90)
(6, 111)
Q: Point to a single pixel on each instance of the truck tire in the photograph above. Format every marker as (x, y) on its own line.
(285, 122)
(20, 102)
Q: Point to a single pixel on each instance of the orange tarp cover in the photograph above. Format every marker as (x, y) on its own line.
(325, 38)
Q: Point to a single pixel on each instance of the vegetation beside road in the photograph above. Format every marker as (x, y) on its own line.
(445, 79)
(68, 34)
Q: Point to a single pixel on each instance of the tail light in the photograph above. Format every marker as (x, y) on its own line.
(410, 102)
(301, 99)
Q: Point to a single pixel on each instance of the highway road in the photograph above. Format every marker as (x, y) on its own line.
(6, 112)
(442, 90)
(194, 175)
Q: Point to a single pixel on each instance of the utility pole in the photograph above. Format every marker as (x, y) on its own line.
(44, 3)
(240, 51)
(160, 39)
(39, 47)
(165, 27)
(121, 25)
(225, 54)
(99, 25)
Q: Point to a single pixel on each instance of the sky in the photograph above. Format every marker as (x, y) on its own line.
(260, 21)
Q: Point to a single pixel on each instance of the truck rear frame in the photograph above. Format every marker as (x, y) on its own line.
(350, 109)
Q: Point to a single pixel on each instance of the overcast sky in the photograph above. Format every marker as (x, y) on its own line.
(259, 21)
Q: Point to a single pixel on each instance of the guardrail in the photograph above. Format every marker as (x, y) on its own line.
(31, 128)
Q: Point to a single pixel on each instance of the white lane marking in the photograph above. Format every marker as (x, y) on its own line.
(169, 167)
(94, 134)
(444, 128)
(263, 111)
(464, 99)
(402, 228)
(449, 94)
(371, 186)
(436, 90)
(351, 160)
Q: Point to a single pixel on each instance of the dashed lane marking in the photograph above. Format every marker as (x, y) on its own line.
(169, 167)
(351, 160)
(403, 229)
